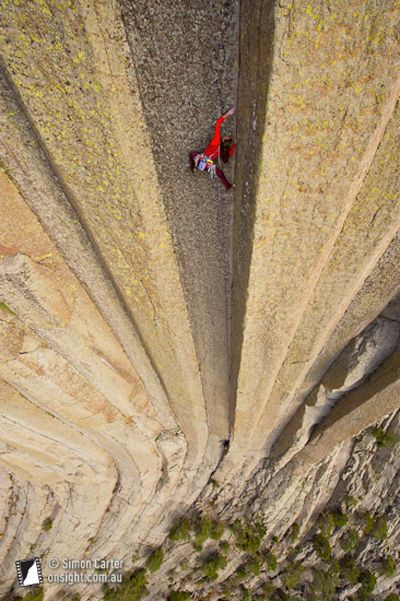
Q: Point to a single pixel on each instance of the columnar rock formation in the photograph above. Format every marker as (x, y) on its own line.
(157, 332)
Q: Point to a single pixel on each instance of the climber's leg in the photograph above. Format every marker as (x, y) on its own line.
(223, 179)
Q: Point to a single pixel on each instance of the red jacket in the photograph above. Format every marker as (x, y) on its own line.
(212, 149)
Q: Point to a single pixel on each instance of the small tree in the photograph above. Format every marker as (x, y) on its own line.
(180, 530)
(155, 560)
(47, 524)
(35, 595)
(329, 521)
(340, 519)
(268, 588)
(248, 536)
(376, 527)
(368, 582)
(241, 573)
(212, 564)
(350, 501)
(132, 588)
(349, 570)
(294, 532)
(388, 566)
(324, 583)
(254, 566)
(334, 566)
(217, 530)
(384, 439)
(293, 575)
(326, 524)
(179, 596)
(349, 540)
(202, 531)
(271, 561)
(322, 547)
(225, 547)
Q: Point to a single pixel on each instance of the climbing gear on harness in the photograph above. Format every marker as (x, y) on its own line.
(204, 163)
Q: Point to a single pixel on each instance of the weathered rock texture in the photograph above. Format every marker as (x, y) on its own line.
(158, 333)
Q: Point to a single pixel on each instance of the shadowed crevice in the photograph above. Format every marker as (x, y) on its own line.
(256, 55)
(185, 61)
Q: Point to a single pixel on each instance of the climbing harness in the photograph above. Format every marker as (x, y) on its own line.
(204, 163)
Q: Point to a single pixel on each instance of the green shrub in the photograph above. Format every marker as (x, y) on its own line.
(202, 529)
(293, 575)
(340, 519)
(132, 588)
(212, 564)
(185, 565)
(349, 540)
(384, 439)
(217, 530)
(246, 595)
(225, 547)
(180, 530)
(329, 521)
(392, 597)
(47, 524)
(326, 524)
(369, 523)
(179, 596)
(272, 562)
(275, 540)
(268, 588)
(294, 532)
(241, 573)
(388, 566)
(350, 501)
(248, 536)
(367, 580)
(334, 566)
(254, 566)
(376, 527)
(349, 569)
(324, 583)
(322, 547)
(155, 560)
(6, 308)
(35, 595)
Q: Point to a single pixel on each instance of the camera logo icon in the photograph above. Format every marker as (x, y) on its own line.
(29, 571)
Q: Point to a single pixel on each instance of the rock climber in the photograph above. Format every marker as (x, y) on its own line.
(219, 148)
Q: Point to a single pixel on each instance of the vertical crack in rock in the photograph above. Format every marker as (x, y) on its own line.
(316, 187)
(185, 63)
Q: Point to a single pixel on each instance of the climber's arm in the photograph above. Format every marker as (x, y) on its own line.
(216, 139)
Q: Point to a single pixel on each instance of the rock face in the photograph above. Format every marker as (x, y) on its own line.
(170, 348)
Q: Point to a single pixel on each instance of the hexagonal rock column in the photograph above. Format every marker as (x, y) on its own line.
(71, 68)
(317, 178)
